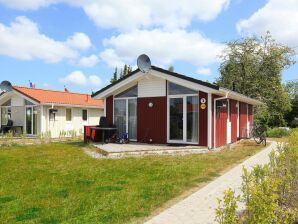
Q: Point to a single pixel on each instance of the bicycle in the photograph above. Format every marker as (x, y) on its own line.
(258, 133)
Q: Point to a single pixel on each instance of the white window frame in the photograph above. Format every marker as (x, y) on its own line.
(32, 120)
(71, 111)
(184, 140)
(126, 101)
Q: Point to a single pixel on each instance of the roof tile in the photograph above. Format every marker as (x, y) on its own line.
(58, 97)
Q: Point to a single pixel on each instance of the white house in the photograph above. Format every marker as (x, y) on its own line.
(39, 111)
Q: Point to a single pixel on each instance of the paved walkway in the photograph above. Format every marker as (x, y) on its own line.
(200, 206)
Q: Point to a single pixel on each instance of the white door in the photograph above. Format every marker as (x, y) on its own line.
(229, 124)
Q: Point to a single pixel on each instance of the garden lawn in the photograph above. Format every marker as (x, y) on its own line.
(56, 183)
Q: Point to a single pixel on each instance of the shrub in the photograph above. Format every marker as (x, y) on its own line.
(278, 132)
(269, 191)
(226, 212)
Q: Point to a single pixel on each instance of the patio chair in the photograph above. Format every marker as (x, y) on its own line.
(103, 122)
(6, 128)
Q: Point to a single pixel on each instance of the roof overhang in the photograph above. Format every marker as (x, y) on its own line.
(71, 105)
(191, 83)
(239, 97)
(133, 78)
(5, 96)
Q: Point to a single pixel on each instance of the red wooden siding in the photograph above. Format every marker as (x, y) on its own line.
(250, 114)
(221, 125)
(203, 120)
(109, 109)
(152, 121)
(243, 120)
(233, 118)
(212, 119)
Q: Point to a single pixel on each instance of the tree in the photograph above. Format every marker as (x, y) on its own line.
(125, 70)
(292, 90)
(129, 69)
(115, 76)
(121, 74)
(254, 67)
(171, 68)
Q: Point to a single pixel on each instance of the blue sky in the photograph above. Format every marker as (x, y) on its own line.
(78, 43)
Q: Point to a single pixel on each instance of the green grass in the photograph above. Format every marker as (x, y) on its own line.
(58, 183)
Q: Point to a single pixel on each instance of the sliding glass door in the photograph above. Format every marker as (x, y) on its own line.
(176, 119)
(192, 119)
(31, 120)
(183, 119)
(125, 116)
(132, 119)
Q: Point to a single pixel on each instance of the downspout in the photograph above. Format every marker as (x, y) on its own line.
(214, 116)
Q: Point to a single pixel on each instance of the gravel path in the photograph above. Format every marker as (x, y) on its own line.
(200, 206)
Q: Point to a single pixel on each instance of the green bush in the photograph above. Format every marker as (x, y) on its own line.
(277, 132)
(269, 191)
(226, 211)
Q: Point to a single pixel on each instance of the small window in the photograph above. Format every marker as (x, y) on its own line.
(68, 114)
(84, 115)
(175, 89)
(52, 115)
(131, 92)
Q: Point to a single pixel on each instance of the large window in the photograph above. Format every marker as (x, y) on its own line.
(183, 114)
(31, 120)
(192, 118)
(125, 112)
(5, 115)
(68, 114)
(120, 116)
(85, 115)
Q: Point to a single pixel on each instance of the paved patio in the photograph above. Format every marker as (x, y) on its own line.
(113, 149)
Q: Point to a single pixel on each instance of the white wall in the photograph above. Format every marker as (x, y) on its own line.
(151, 86)
(77, 124)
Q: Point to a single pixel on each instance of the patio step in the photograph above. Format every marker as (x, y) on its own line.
(111, 152)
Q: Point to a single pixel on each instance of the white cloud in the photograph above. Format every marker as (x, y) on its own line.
(279, 17)
(204, 71)
(79, 41)
(94, 80)
(164, 47)
(132, 14)
(90, 61)
(27, 4)
(78, 78)
(23, 40)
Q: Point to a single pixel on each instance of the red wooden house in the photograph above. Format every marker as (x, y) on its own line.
(165, 107)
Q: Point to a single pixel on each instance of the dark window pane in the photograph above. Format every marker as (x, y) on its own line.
(175, 89)
(176, 119)
(192, 119)
(85, 115)
(131, 92)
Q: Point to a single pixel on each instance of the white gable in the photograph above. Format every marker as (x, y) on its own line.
(151, 86)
